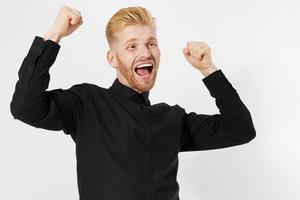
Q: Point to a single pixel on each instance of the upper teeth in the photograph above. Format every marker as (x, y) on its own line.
(144, 65)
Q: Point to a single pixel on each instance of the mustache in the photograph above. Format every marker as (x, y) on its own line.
(143, 61)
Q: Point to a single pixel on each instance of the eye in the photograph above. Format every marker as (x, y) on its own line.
(152, 44)
(131, 46)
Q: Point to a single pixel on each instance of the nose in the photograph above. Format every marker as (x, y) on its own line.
(144, 52)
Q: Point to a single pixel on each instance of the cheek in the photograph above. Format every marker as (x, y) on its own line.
(126, 67)
(128, 60)
(156, 53)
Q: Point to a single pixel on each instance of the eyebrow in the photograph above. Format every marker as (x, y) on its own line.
(131, 40)
(135, 39)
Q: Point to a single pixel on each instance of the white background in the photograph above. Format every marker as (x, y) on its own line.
(255, 43)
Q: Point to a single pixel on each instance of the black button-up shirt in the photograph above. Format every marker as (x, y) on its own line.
(126, 148)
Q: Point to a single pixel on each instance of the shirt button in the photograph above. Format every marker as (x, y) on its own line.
(148, 177)
(146, 147)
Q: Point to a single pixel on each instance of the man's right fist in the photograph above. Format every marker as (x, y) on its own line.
(67, 21)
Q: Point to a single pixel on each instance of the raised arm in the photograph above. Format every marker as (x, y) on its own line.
(31, 103)
(233, 126)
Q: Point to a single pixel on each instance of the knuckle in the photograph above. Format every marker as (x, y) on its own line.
(65, 7)
(77, 18)
(77, 11)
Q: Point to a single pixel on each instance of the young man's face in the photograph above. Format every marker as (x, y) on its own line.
(135, 47)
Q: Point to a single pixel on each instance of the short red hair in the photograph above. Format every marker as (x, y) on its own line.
(128, 16)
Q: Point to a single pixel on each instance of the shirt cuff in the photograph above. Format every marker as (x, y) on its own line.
(48, 48)
(216, 81)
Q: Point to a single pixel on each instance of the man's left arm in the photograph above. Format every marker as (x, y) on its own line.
(233, 126)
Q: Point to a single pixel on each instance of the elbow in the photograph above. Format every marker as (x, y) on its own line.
(13, 109)
(248, 130)
(250, 134)
(19, 112)
(15, 112)
(15, 106)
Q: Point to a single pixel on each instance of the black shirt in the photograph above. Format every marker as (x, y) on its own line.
(126, 148)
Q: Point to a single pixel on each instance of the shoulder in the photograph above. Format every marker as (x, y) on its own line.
(173, 108)
(89, 92)
(86, 88)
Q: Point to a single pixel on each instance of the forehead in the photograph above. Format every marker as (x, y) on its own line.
(135, 33)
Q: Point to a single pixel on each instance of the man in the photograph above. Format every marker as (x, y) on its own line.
(127, 148)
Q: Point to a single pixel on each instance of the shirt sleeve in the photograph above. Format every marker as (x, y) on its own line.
(32, 103)
(233, 126)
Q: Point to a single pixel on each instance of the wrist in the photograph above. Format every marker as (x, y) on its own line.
(209, 71)
(55, 37)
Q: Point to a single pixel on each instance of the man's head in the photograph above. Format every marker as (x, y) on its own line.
(134, 51)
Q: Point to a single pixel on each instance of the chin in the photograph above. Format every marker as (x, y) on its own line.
(145, 87)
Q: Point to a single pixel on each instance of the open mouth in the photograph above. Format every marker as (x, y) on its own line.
(144, 69)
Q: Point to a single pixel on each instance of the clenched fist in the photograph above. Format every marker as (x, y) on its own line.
(199, 56)
(67, 21)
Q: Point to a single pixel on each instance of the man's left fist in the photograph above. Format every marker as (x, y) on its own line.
(199, 56)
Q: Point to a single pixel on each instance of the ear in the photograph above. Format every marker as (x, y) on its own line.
(111, 58)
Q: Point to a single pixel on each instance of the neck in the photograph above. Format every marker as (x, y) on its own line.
(125, 82)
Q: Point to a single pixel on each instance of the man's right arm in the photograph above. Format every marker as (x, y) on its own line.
(31, 103)
(55, 109)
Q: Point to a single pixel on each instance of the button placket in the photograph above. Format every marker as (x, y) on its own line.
(148, 177)
(147, 145)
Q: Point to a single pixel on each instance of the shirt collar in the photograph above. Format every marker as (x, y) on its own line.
(129, 93)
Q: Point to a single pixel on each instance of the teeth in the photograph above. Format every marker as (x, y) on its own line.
(144, 65)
